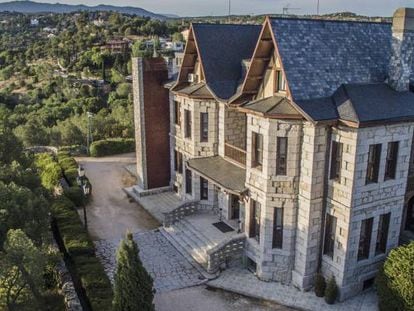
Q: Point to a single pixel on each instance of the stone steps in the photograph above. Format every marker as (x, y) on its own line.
(190, 243)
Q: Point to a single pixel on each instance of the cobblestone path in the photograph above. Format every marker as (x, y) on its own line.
(169, 269)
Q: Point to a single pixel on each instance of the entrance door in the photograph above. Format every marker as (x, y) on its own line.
(409, 222)
(235, 207)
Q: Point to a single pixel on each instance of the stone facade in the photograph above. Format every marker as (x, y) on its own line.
(273, 191)
(306, 193)
(192, 147)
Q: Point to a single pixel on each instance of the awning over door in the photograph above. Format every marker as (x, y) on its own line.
(220, 172)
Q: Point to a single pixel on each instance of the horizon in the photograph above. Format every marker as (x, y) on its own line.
(383, 8)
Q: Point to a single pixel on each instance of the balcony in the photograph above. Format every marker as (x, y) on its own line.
(235, 153)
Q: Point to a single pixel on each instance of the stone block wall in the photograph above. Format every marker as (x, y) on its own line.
(373, 200)
(310, 204)
(192, 147)
(273, 191)
(235, 128)
(339, 202)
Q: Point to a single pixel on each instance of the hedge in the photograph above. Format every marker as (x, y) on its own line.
(112, 146)
(395, 281)
(74, 150)
(67, 162)
(50, 171)
(71, 176)
(81, 249)
(75, 194)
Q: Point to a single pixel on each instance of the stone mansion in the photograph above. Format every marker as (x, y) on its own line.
(297, 134)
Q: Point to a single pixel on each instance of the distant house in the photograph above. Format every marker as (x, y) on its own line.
(174, 46)
(185, 34)
(34, 22)
(298, 134)
(117, 46)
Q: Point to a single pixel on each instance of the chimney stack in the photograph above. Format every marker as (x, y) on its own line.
(401, 65)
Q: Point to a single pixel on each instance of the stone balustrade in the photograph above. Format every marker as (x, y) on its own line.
(186, 209)
(229, 249)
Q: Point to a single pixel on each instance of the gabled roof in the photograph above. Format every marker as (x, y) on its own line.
(365, 103)
(275, 106)
(199, 90)
(319, 55)
(222, 48)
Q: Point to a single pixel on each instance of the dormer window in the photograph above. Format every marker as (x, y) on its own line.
(280, 82)
(192, 78)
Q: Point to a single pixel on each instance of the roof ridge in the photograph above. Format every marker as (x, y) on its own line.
(226, 24)
(327, 20)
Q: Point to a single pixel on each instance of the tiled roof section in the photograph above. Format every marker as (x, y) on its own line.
(275, 105)
(373, 102)
(221, 172)
(198, 90)
(318, 55)
(319, 109)
(222, 49)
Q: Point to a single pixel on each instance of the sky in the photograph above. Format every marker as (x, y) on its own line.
(220, 7)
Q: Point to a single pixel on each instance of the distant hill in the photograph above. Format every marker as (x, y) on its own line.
(36, 7)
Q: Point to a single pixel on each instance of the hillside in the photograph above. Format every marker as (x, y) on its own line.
(36, 7)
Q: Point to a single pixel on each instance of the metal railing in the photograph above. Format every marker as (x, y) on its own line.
(186, 209)
(235, 153)
(223, 252)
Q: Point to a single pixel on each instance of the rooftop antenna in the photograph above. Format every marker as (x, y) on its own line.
(229, 10)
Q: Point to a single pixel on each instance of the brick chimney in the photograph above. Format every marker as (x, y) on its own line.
(401, 65)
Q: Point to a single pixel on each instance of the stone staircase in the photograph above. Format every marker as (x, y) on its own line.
(191, 243)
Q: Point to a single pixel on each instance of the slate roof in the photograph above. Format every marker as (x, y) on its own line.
(373, 102)
(198, 90)
(221, 172)
(319, 55)
(275, 105)
(319, 109)
(222, 48)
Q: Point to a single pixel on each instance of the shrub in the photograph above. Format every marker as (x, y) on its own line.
(75, 194)
(331, 291)
(395, 280)
(63, 154)
(68, 163)
(320, 285)
(71, 176)
(112, 146)
(50, 171)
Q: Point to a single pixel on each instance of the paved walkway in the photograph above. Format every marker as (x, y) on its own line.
(243, 282)
(156, 204)
(169, 269)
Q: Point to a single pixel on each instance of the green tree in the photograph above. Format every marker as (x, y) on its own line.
(32, 133)
(10, 147)
(21, 273)
(395, 281)
(177, 37)
(133, 289)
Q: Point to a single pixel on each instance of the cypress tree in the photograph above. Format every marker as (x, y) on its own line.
(133, 289)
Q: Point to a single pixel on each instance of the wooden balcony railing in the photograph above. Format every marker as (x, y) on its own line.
(235, 153)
